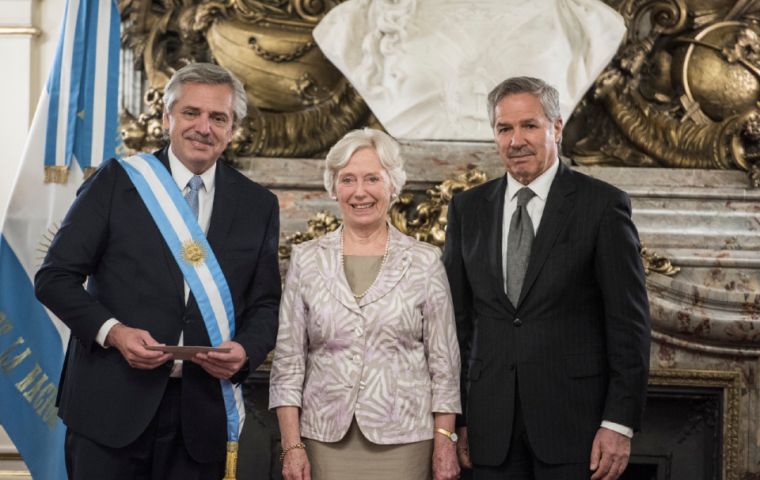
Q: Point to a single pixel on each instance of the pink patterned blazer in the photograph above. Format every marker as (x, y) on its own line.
(390, 359)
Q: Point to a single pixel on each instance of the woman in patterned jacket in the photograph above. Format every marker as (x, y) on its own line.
(365, 377)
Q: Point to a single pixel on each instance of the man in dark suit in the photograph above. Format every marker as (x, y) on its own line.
(131, 412)
(551, 306)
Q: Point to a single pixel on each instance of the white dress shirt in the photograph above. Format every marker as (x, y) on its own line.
(181, 176)
(535, 207)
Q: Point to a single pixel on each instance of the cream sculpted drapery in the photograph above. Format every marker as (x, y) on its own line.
(425, 67)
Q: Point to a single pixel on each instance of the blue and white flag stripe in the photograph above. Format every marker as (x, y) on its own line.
(101, 77)
(178, 226)
(32, 340)
(83, 96)
(59, 90)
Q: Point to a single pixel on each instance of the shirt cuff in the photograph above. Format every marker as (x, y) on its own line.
(103, 332)
(616, 427)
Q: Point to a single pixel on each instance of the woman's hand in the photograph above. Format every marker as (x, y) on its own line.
(295, 462)
(445, 464)
(295, 465)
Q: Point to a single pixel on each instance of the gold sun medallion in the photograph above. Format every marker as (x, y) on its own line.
(193, 253)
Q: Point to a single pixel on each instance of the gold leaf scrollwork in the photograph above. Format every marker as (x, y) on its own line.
(655, 263)
(290, 12)
(145, 131)
(751, 146)
(318, 225)
(309, 91)
(310, 10)
(669, 17)
(426, 221)
(683, 91)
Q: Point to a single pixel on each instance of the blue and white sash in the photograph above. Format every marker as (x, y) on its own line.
(187, 242)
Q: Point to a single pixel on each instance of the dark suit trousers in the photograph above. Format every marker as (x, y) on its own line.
(158, 453)
(521, 462)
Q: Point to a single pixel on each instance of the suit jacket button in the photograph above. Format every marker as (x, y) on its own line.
(512, 366)
(516, 322)
(185, 319)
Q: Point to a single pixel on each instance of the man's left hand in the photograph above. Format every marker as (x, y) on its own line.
(222, 365)
(609, 454)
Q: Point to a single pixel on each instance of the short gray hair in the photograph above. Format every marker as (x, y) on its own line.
(384, 145)
(207, 74)
(546, 94)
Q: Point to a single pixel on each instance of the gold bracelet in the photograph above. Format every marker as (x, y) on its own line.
(285, 450)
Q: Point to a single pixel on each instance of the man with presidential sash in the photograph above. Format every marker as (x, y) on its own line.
(176, 248)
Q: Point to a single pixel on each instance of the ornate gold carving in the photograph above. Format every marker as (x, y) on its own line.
(655, 263)
(731, 384)
(302, 13)
(300, 104)
(318, 225)
(683, 91)
(427, 220)
(308, 90)
(146, 131)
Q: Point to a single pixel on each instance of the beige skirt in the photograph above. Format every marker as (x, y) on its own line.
(355, 457)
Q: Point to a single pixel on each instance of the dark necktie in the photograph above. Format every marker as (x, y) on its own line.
(191, 195)
(519, 242)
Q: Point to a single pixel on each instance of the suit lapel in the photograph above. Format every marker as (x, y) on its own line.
(330, 268)
(491, 218)
(225, 204)
(396, 265)
(559, 203)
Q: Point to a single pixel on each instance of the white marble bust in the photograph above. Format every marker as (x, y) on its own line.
(425, 67)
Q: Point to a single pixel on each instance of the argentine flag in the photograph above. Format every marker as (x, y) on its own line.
(74, 129)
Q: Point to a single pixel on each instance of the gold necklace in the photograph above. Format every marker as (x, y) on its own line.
(382, 263)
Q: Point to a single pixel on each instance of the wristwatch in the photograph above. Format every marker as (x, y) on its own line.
(450, 435)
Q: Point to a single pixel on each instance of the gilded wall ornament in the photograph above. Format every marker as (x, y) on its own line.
(426, 220)
(299, 104)
(658, 264)
(318, 225)
(145, 131)
(683, 91)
